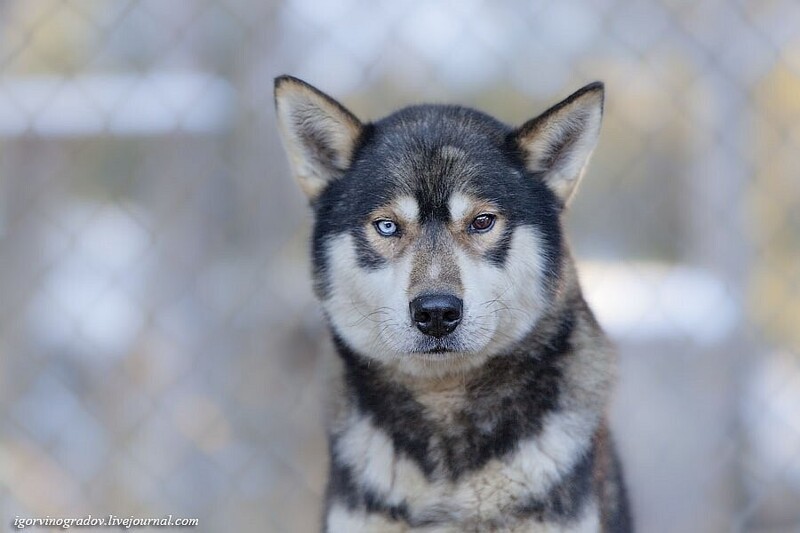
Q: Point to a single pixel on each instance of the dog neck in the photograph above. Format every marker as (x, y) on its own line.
(493, 406)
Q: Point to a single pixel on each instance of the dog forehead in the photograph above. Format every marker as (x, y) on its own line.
(432, 152)
(438, 134)
(432, 176)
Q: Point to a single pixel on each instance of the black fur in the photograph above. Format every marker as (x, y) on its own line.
(567, 499)
(564, 502)
(510, 394)
(368, 259)
(620, 519)
(400, 154)
(498, 254)
(342, 489)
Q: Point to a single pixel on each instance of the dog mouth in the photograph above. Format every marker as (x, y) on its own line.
(438, 350)
(433, 351)
(438, 347)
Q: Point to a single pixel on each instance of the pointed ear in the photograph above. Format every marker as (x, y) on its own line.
(318, 133)
(558, 142)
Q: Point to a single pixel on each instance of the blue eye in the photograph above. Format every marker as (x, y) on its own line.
(387, 228)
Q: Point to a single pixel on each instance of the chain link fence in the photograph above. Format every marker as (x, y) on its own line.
(160, 351)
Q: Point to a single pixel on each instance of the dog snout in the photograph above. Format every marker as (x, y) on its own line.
(436, 314)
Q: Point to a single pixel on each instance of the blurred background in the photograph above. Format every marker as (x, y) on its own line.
(160, 351)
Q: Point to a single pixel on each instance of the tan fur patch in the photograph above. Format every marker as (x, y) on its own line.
(403, 211)
(463, 210)
(434, 268)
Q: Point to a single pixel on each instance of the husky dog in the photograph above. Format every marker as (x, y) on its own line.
(474, 379)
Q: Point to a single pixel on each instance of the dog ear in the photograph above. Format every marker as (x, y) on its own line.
(558, 143)
(318, 133)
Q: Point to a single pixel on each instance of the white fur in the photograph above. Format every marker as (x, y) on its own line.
(369, 309)
(501, 304)
(543, 460)
(459, 205)
(588, 523)
(370, 454)
(485, 494)
(408, 208)
(343, 520)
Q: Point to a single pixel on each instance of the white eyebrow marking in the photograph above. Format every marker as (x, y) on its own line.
(458, 204)
(407, 207)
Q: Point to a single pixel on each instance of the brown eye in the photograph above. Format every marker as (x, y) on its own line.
(482, 222)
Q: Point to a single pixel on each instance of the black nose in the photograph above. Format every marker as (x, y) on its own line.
(436, 314)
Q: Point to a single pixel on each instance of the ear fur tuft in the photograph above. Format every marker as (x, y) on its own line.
(318, 133)
(559, 142)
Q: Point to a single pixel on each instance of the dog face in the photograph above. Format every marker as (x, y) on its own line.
(437, 239)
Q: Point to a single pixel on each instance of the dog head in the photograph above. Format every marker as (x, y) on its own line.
(437, 237)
